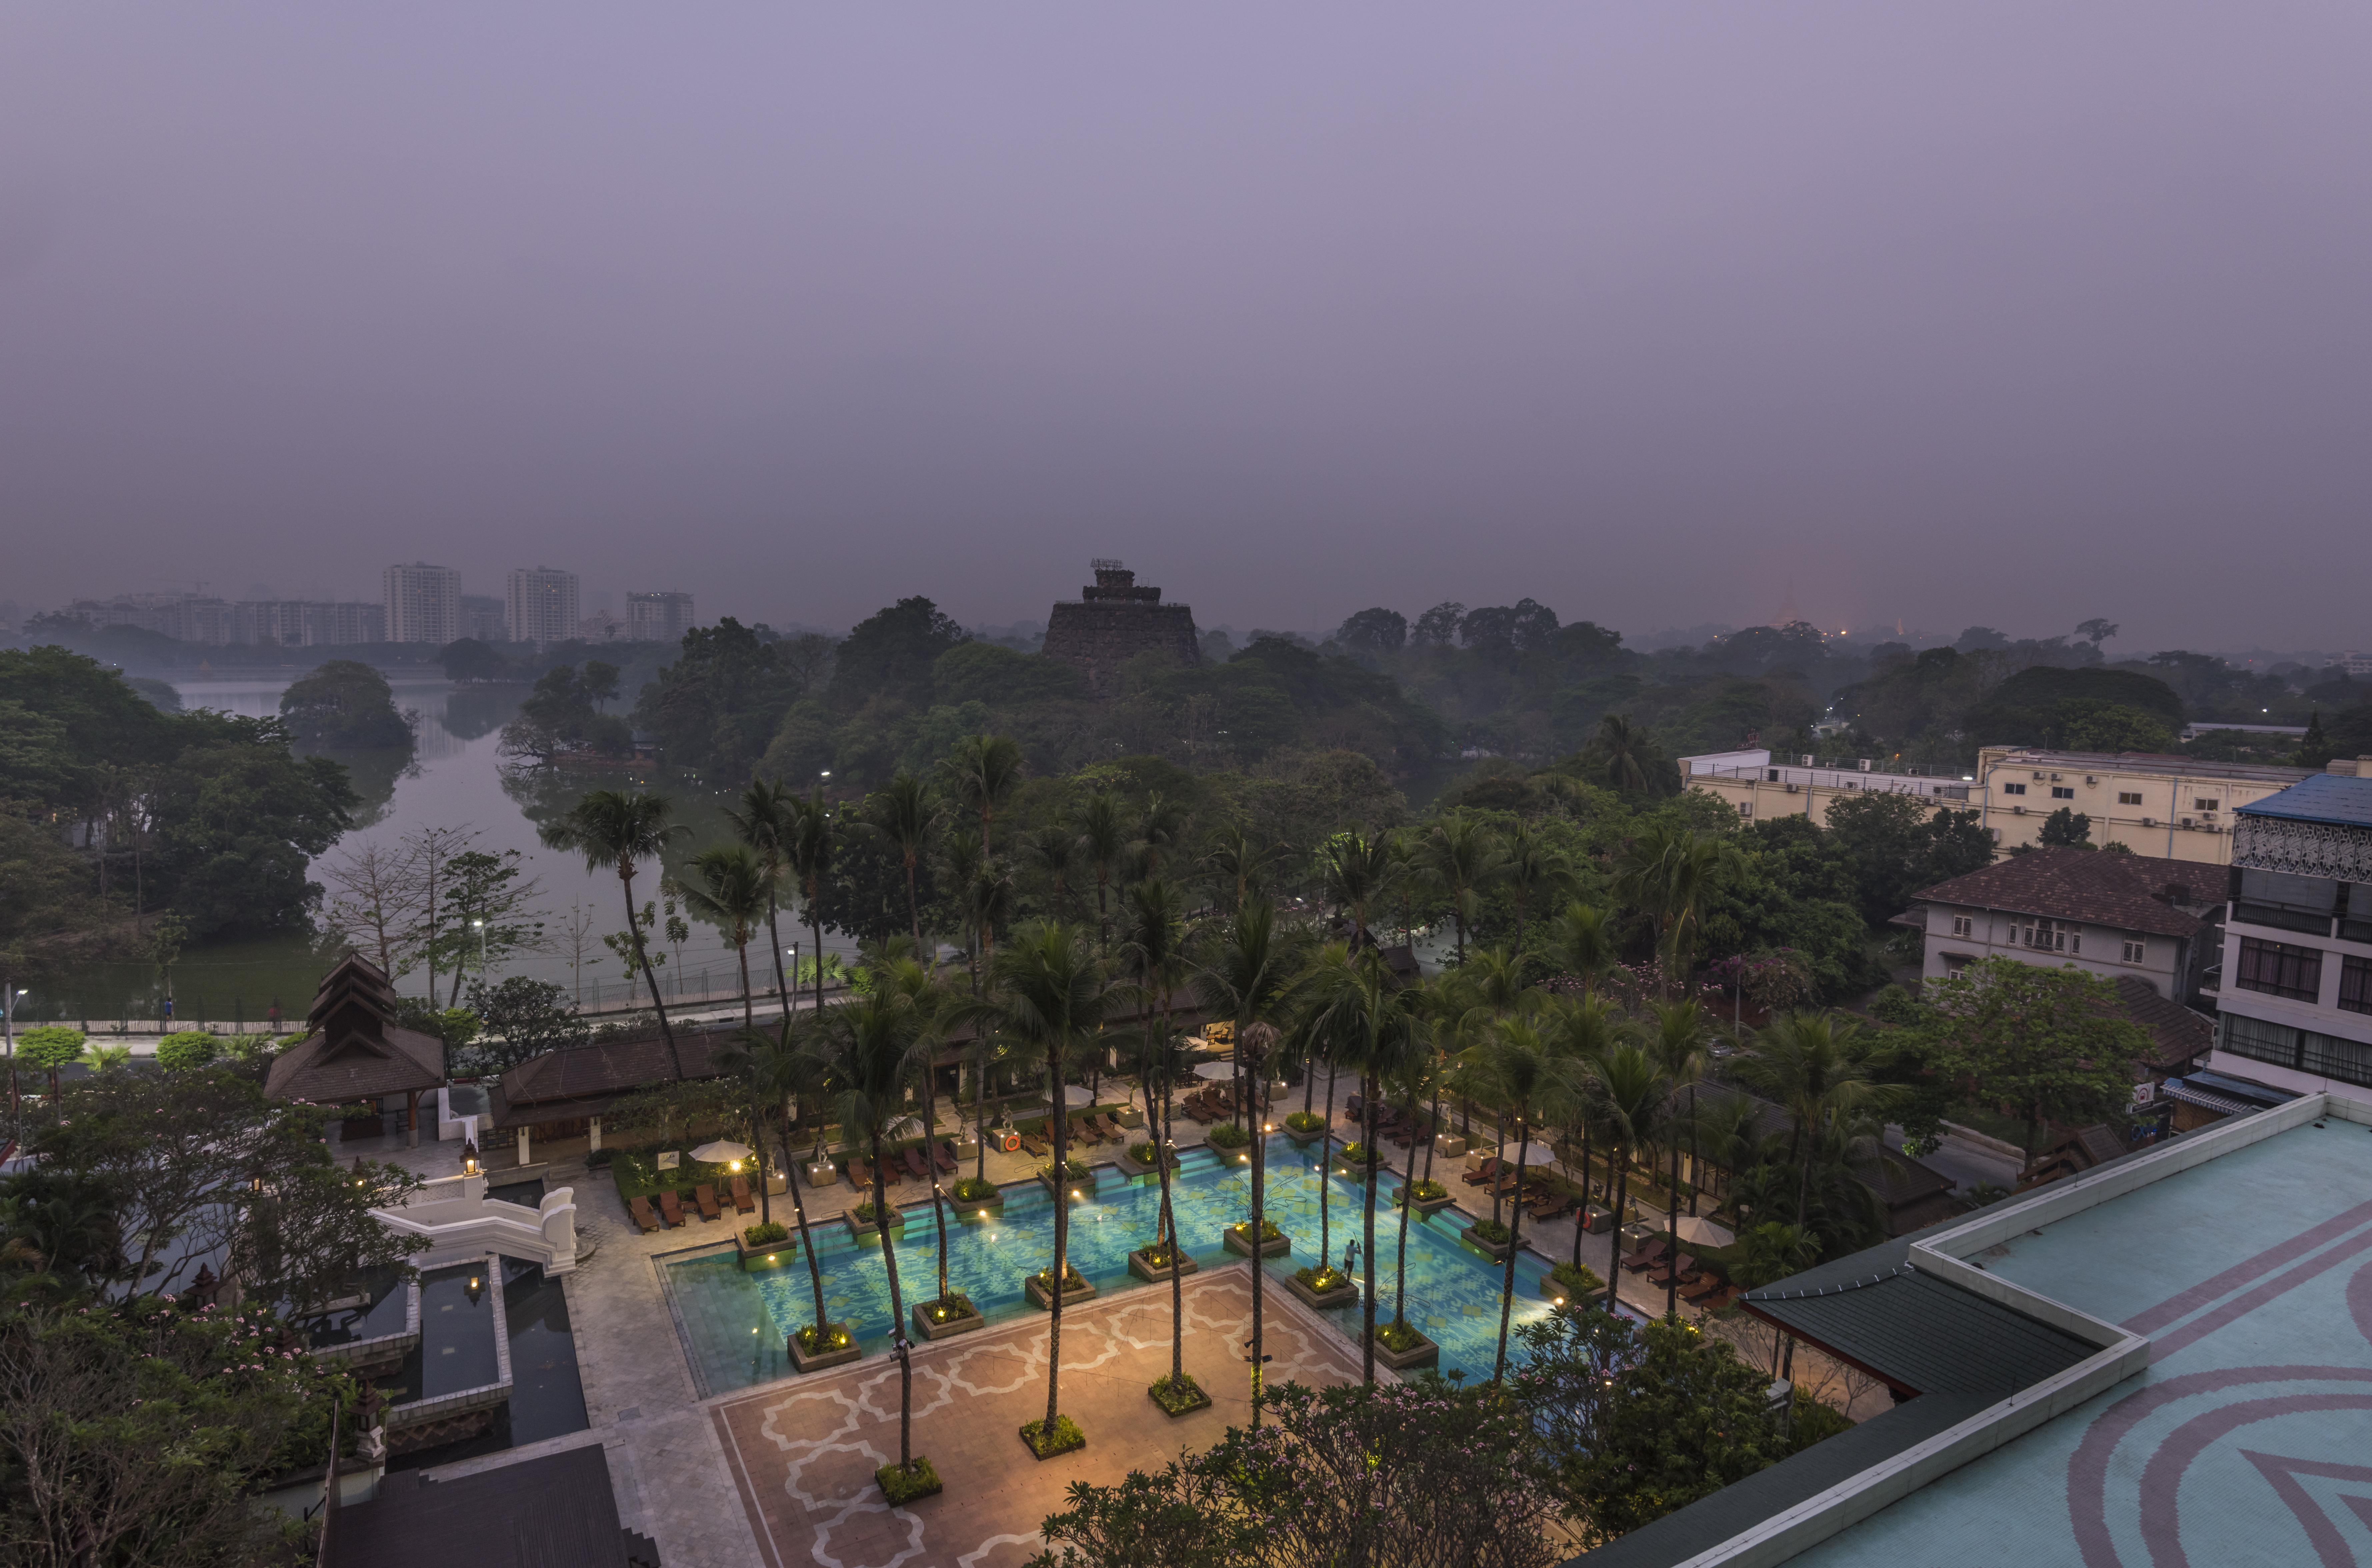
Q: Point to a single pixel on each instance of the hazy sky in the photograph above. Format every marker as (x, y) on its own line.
(2013, 313)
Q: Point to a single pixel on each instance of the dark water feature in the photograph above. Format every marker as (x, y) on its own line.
(547, 1395)
(386, 1306)
(453, 777)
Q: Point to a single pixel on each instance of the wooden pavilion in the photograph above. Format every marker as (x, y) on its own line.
(355, 1052)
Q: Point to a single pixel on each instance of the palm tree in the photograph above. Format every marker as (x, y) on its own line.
(615, 828)
(904, 814)
(1462, 856)
(1369, 1024)
(734, 894)
(987, 903)
(1151, 954)
(981, 772)
(1535, 870)
(866, 1044)
(905, 978)
(1669, 872)
(1626, 754)
(1420, 1075)
(1103, 839)
(1628, 1091)
(1239, 861)
(1521, 1072)
(1250, 976)
(1359, 870)
(1582, 942)
(770, 1072)
(1052, 998)
(1047, 850)
(810, 851)
(1583, 1030)
(1158, 828)
(1818, 1069)
(1680, 1037)
(764, 822)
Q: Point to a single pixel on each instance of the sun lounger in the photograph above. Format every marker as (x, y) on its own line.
(1487, 1171)
(1037, 1146)
(944, 1153)
(743, 1203)
(890, 1174)
(644, 1220)
(1706, 1285)
(670, 1209)
(705, 1196)
(1682, 1267)
(914, 1165)
(1646, 1257)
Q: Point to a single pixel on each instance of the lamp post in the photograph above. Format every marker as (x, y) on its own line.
(9, 996)
(480, 928)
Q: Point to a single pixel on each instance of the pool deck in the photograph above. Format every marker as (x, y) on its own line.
(676, 1480)
(2245, 1441)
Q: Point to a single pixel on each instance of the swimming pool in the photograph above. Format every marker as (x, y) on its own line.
(736, 1323)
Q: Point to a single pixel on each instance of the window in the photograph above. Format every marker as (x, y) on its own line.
(2137, 952)
(2257, 1039)
(2327, 1056)
(1962, 926)
(2129, 797)
(2013, 789)
(2278, 969)
(2355, 985)
(2063, 791)
(2206, 802)
(2053, 937)
(1746, 809)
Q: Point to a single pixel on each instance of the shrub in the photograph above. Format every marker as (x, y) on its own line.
(1227, 1135)
(1361, 1153)
(1426, 1190)
(49, 1047)
(1322, 1278)
(1179, 1395)
(974, 1189)
(904, 1486)
(1072, 1278)
(1578, 1279)
(864, 1212)
(814, 1339)
(766, 1233)
(1490, 1231)
(185, 1049)
(1268, 1231)
(1066, 1437)
(954, 1304)
(1076, 1170)
(600, 1157)
(1155, 1255)
(1306, 1121)
(1398, 1338)
(1812, 1421)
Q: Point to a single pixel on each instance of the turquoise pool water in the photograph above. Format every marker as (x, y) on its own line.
(737, 1323)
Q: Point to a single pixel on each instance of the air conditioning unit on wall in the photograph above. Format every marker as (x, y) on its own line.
(2149, 821)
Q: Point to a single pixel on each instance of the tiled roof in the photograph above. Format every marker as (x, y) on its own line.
(2326, 798)
(2127, 892)
(2179, 1035)
(314, 1073)
(535, 1514)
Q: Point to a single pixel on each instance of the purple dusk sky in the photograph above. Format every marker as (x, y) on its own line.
(2014, 313)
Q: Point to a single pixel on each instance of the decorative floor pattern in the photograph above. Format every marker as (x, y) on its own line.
(803, 1454)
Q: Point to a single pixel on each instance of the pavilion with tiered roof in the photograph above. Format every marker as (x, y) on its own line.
(356, 1050)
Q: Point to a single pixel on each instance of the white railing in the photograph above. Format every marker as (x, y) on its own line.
(467, 1223)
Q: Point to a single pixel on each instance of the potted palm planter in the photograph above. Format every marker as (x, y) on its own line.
(1076, 1288)
(976, 1200)
(1491, 1238)
(814, 1349)
(1177, 1396)
(1067, 1438)
(1082, 1180)
(769, 1245)
(1274, 1243)
(864, 1225)
(1401, 1348)
(1356, 1157)
(947, 1317)
(1305, 1128)
(1137, 1160)
(1154, 1264)
(1323, 1287)
(1432, 1197)
(1576, 1286)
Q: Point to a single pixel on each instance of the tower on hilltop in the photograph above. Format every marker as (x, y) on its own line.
(1113, 620)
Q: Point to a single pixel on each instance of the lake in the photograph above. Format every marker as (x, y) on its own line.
(453, 777)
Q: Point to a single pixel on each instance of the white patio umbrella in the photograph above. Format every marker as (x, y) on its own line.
(1535, 1155)
(722, 1151)
(1704, 1232)
(1217, 1072)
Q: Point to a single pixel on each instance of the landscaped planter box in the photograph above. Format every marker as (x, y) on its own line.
(1153, 1275)
(978, 1209)
(1427, 1205)
(1425, 1354)
(766, 1254)
(1236, 1241)
(802, 1362)
(1304, 1136)
(1127, 1164)
(1358, 1167)
(1200, 1401)
(1343, 1294)
(1083, 1184)
(945, 1328)
(865, 1230)
(1084, 1291)
(1496, 1251)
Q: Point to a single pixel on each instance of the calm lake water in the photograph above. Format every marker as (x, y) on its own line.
(453, 777)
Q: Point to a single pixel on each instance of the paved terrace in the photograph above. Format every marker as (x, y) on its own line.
(2245, 1440)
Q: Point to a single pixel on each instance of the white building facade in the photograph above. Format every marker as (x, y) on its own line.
(424, 603)
(539, 605)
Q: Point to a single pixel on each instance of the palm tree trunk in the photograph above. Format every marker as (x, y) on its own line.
(930, 1155)
(758, 1125)
(1408, 1204)
(1673, 1227)
(1259, 1233)
(815, 924)
(1169, 1223)
(896, 1318)
(980, 1106)
(1367, 1253)
(1433, 1127)
(1061, 1124)
(1507, 1286)
(913, 910)
(1615, 1152)
(1581, 1220)
(749, 1020)
(635, 930)
(774, 936)
(1325, 1184)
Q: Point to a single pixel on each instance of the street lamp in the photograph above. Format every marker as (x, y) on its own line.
(9, 997)
(480, 928)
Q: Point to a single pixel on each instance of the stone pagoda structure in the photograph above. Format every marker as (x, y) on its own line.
(1113, 620)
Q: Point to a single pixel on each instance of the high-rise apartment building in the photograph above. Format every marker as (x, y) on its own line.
(424, 603)
(539, 605)
(657, 617)
(485, 618)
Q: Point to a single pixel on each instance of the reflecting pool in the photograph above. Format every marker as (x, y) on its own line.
(736, 1323)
